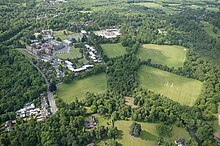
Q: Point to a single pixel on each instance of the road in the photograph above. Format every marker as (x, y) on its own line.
(51, 100)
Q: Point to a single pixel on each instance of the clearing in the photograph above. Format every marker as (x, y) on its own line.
(74, 53)
(178, 88)
(113, 50)
(172, 56)
(130, 101)
(208, 27)
(79, 88)
(148, 135)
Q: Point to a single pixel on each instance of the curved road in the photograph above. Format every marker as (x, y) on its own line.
(51, 100)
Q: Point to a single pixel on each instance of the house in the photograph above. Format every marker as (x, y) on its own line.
(162, 31)
(89, 124)
(87, 46)
(180, 142)
(83, 32)
(8, 125)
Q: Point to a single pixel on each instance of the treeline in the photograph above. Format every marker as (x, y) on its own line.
(20, 83)
(122, 74)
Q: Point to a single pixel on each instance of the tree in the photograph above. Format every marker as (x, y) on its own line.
(205, 133)
(111, 142)
(164, 130)
(135, 129)
(52, 86)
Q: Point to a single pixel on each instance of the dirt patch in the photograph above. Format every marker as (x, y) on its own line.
(130, 101)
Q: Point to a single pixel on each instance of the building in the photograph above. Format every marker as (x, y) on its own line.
(56, 45)
(8, 125)
(47, 34)
(180, 142)
(83, 32)
(45, 48)
(108, 33)
(162, 31)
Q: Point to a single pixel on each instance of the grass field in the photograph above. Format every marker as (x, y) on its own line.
(74, 53)
(172, 56)
(60, 34)
(155, 5)
(148, 136)
(175, 87)
(208, 28)
(78, 89)
(113, 50)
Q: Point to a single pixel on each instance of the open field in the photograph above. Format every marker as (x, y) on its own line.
(113, 50)
(74, 53)
(178, 88)
(208, 28)
(172, 56)
(60, 34)
(148, 136)
(78, 89)
(155, 5)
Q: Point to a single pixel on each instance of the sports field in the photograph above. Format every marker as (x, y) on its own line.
(74, 53)
(172, 56)
(113, 50)
(175, 87)
(78, 89)
(148, 135)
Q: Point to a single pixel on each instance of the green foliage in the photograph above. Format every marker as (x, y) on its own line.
(122, 74)
(135, 129)
(20, 83)
(164, 130)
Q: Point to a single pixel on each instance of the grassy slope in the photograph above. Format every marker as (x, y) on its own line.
(29, 56)
(175, 87)
(172, 56)
(148, 136)
(113, 50)
(78, 89)
(73, 54)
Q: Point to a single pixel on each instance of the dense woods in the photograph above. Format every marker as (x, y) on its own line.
(20, 83)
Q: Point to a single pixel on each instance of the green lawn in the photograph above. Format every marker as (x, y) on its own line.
(74, 53)
(78, 89)
(113, 50)
(175, 87)
(60, 34)
(172, 56)
(148, 136)
(208, 28)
